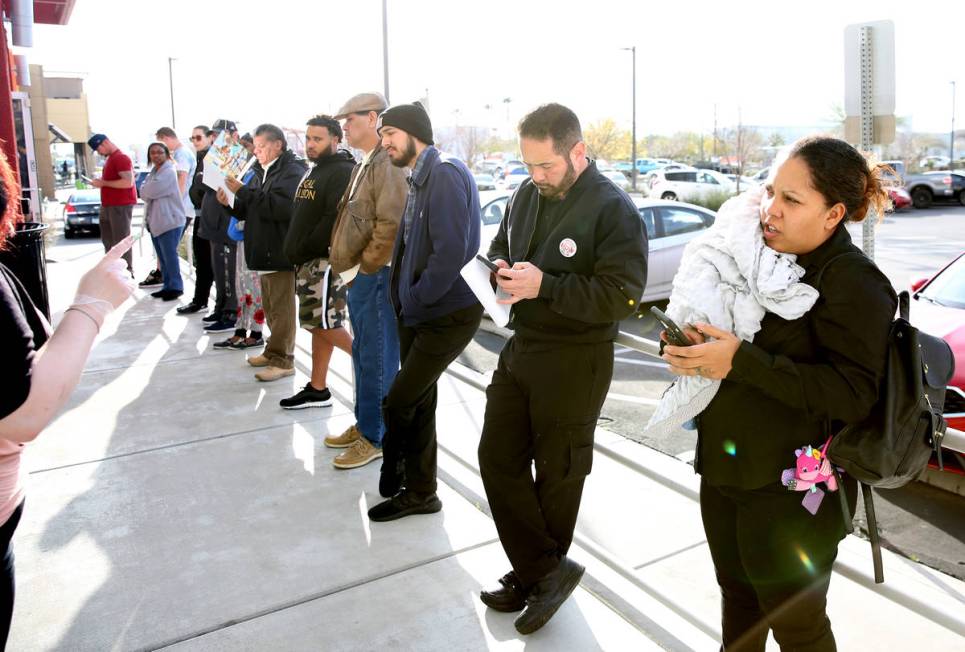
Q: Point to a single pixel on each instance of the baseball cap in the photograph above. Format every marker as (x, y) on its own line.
(95, 141)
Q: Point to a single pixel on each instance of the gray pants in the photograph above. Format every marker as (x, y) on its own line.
(223, 262)
(115, 222)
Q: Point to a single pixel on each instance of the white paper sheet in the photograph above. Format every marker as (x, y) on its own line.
(349, 275)
(477, 277)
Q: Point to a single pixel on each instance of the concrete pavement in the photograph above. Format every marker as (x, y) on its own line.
(173, 505)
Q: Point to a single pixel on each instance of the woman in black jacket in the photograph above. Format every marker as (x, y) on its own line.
(795, 385)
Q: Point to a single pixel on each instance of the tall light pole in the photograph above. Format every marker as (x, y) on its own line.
(385, 49)
(951, 137)
(633, 132)
(171, 84)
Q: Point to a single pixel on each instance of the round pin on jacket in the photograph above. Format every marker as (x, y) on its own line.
(567, 247)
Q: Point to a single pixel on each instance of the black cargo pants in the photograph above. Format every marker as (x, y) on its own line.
(542, 408)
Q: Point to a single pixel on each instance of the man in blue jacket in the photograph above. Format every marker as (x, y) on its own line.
(436, 311)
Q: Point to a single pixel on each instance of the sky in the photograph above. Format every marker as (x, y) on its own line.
(774, 63)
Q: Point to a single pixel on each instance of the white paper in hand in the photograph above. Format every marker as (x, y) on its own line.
(477, 277)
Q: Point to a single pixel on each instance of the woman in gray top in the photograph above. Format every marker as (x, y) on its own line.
(164, 214)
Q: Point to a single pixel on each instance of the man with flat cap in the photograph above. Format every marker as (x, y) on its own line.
(362, 238)
(118, 194)
(437, 312)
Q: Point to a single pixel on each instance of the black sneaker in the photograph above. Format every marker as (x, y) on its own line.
(308, 397)
(229, 343)
(153, 280)
(158, 294)
(213, 317)
(221, 326)
(191, 308)
(248, 343)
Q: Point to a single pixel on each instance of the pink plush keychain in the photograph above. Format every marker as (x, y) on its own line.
(812, 467)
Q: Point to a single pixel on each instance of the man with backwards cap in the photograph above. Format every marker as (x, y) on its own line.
(437, 312)
(362, 238)
(118, 194)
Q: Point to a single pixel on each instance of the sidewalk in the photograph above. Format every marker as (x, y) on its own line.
(174, 505)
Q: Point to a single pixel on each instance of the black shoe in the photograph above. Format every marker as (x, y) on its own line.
(248, 342)
(221, 326)
(191, 308)
(548, 594)
(306, 398)
(509, 597)
(405, 503)
(213, 317)
(153, 280)
(228, 343)
(158, 294)
(168, 295)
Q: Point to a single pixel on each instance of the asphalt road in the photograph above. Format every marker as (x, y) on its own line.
(918, 520)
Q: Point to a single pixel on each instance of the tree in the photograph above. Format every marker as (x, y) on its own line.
(465, 142)
(743, 145)
(607, 141)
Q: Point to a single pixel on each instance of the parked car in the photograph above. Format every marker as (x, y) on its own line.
(82, 213)
(934, 162)
(618, 178)
(484, 181)
(938, 308)
(670, 226)
(688, 184)
(927, 188)
(899, 198)
(515, 177)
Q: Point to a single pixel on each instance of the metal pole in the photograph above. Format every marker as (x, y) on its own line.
(171, 83)
(951, 138)
(633, 134)
(867, 127)
(385, 48)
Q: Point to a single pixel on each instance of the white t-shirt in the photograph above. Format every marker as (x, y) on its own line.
(186, 161)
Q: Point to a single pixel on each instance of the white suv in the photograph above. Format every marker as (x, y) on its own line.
(684, 185)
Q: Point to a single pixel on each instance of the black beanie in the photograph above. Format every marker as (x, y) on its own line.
(410, 118)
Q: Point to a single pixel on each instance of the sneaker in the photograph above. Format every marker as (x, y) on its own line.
(191, 308)
(221, 326)
(158, 294)
(258, 361)
(153, 280)
(351, 435)
(248, 342)
(359, 454)
(405, 503)
(228, 343)
(213, 317)
(169, 295)
(269, 373)
(308, 397)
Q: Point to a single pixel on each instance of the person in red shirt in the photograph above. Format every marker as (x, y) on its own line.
(118, 194)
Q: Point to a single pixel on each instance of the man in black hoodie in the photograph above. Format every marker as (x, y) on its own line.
(572, 254)
(265, 205)
(321, 293)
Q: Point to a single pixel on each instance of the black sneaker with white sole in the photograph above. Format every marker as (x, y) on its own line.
(306, 398)
(153, 280)
(213, 317)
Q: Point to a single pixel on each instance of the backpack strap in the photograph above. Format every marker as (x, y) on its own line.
(904, 301)
(869, 510)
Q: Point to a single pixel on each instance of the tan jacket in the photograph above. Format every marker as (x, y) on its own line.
(368, 219)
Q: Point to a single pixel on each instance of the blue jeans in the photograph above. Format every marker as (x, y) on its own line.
(375, 349)
(166, 246)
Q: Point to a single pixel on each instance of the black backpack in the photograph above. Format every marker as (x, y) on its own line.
(891, 447)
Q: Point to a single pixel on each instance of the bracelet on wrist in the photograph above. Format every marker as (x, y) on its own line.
(86, 314)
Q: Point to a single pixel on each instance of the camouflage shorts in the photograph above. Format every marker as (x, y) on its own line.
(321, 296)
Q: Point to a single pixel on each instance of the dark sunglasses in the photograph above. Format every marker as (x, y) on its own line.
(197, 137)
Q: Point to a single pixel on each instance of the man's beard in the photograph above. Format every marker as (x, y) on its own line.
(559, 191)
(323, 155)
(408, 154)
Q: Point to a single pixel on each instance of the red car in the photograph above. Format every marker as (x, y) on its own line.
(938, 308)
(899, 198)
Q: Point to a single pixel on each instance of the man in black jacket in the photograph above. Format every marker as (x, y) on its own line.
(321, 293)
(201, 248)
(572, 253)
(265, 205)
